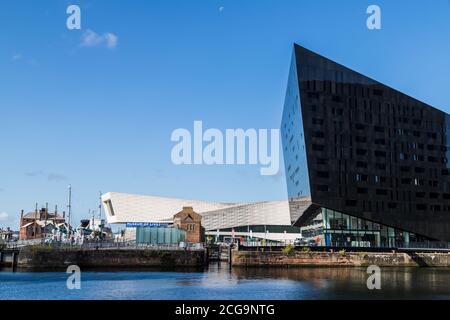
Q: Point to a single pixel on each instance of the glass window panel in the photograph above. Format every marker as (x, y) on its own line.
(354, 223)
(391, 232)
(346, 219)
(360, 227)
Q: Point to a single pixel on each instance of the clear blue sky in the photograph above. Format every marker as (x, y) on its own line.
(100, 117)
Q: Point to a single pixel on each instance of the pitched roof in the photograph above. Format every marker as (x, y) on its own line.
(40, 223)
(40, 215)
(188, 213)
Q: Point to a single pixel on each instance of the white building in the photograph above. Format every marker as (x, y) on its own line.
(265, 220)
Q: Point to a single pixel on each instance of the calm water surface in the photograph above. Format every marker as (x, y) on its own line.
(219, 282)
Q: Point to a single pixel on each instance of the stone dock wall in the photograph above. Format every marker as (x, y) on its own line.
(332, 259)
(46, 258)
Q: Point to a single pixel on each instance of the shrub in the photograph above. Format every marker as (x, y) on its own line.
(342, 252)
(288, 249)
(306, 249)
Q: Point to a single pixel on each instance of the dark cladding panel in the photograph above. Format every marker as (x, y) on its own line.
(372, 151)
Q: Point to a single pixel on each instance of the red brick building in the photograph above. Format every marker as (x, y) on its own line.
(191, 222)
(38, 224)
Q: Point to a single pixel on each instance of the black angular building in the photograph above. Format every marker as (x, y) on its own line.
(373, 161)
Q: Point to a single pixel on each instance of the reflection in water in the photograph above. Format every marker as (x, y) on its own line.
(396, 282)
(219, 282)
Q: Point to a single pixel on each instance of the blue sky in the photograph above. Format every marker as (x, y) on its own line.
(100, 116)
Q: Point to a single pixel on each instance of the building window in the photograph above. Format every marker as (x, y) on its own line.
(317, 147)
(420, 194)
(392, 205)
(380, 166)
(110, 208)
(378, 129)
(362, 190)
(361, 164)
(318, 134)
(322, 174)
(380, 154)
(361, 177)
(361, 152)
(421, 207)
(406, 181)
(317, 121)
(322, 161)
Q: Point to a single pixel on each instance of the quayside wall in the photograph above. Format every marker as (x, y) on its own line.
(332, 259)
(45, 258)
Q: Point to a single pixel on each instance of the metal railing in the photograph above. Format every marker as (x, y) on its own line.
(396, 245)
(21, 243)
(425, 245)
(100, 245)
(411, 246)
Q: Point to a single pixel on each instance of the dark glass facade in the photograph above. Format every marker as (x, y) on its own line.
(366, 151)
(333, 228)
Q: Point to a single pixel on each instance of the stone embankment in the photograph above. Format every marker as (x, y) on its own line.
(47, 258)
(332, 259)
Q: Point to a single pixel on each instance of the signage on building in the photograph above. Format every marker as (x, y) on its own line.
(146, 224)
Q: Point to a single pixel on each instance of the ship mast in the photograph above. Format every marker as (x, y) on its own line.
(69, 209)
